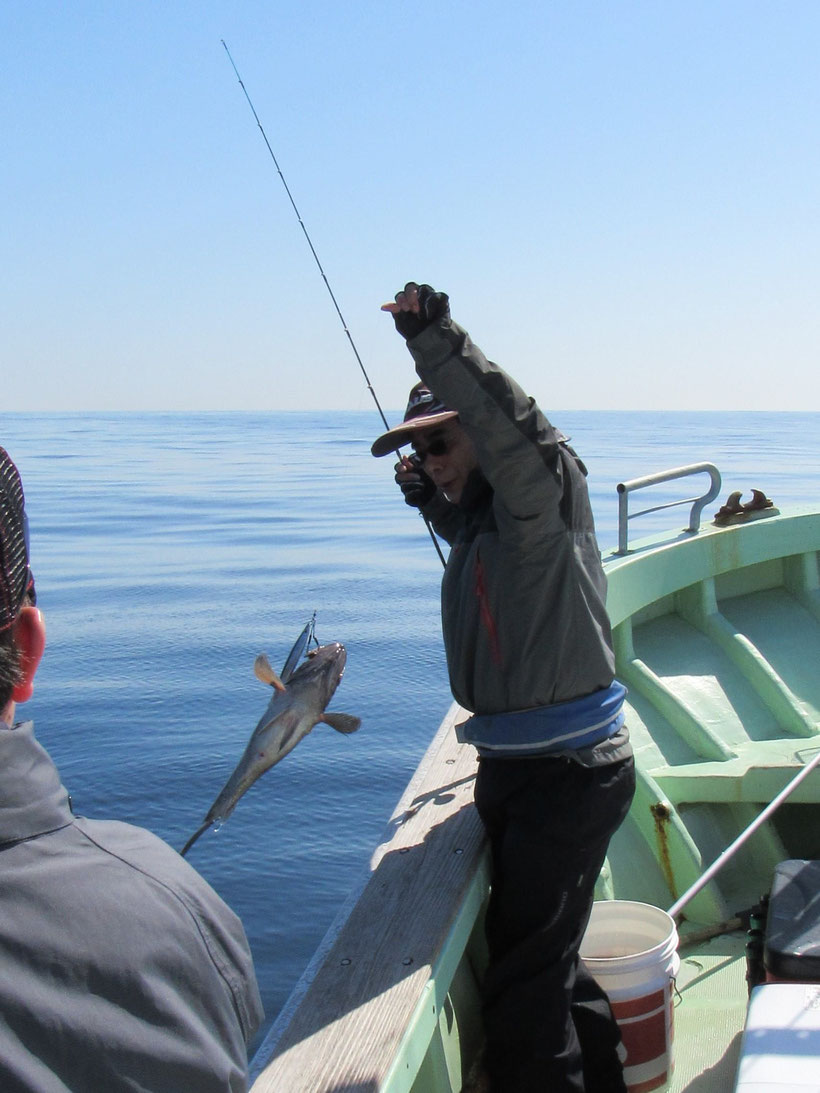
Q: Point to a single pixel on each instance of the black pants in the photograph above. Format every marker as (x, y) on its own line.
(548, 1024)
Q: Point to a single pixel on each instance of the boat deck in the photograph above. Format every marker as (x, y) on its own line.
(710, 1011)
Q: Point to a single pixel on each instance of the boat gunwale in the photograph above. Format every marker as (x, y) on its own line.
(644, 575)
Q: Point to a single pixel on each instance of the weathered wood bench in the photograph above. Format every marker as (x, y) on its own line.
(373, 1008)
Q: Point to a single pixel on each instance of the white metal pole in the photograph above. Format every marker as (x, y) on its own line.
(730, 850)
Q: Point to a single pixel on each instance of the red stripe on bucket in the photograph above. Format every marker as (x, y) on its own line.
(643, 1026)
(636, 1007)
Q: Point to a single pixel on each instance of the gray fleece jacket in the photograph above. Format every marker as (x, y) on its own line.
(524, 592)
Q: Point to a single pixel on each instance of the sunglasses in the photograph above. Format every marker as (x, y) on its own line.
(440, 446)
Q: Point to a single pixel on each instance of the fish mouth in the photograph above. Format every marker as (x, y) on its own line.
(328, 658)
(333, 649)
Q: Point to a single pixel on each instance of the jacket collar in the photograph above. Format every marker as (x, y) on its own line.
(32, 798)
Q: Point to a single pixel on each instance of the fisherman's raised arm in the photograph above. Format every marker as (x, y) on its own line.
(517, 447)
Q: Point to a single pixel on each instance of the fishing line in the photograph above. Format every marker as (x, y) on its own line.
(324, 275)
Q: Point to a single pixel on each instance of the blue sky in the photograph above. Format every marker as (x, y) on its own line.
(621, 199)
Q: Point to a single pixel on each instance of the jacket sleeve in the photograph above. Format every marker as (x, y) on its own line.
(519, 451)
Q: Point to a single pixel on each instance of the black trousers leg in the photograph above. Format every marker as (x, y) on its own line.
(548, 1024)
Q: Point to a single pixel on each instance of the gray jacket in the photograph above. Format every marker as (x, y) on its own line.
(120, 967)
(524, 592)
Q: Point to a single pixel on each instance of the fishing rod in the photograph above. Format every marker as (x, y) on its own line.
(324, 276)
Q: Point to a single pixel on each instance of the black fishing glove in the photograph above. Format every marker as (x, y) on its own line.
(419, 490)
(432, 307)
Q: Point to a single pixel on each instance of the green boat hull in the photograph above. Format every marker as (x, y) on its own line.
(717, 637)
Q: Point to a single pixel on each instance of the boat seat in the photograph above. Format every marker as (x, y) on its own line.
(749, 779)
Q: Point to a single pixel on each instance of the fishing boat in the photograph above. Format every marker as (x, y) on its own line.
(717, 637)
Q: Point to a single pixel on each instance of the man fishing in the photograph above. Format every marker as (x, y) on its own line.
(120, 968)
(529, 652)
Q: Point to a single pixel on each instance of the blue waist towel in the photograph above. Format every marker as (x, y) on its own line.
(564, 726)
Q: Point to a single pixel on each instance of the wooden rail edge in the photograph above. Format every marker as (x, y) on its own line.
(346, 1019)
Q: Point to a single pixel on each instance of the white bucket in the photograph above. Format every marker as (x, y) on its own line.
(631, 950)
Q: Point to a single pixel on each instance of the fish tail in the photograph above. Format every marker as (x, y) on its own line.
(194, 837)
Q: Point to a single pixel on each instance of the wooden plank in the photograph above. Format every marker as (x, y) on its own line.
(350, 1019)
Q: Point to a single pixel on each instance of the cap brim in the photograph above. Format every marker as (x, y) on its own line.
(403, 434)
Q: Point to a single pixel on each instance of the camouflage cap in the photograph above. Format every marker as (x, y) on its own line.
(15, 575)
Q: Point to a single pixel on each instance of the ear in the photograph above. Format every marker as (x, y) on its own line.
(30, 639)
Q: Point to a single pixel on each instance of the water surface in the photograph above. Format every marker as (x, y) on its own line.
(170, 549)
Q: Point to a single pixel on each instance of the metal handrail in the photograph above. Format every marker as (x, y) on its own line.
(698, 503)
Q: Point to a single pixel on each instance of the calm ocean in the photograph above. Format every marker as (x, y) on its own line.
(170, 549)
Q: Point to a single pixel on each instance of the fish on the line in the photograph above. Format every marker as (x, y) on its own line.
(300, 695)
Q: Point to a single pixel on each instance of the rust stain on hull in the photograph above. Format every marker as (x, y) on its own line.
(662, 814)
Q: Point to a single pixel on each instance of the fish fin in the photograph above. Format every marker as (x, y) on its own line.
(342, 722)
(263, 670)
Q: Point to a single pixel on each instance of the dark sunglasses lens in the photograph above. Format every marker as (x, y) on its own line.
(437, 447)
